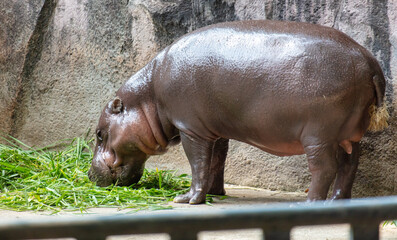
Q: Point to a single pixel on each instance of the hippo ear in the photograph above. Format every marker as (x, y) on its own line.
(117, 105)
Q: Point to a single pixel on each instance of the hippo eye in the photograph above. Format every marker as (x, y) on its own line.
(99, 135)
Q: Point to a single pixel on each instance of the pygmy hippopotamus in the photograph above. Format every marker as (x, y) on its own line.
(287, 88)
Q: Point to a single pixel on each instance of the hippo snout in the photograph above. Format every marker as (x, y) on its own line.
(101, 178)
(125, 175)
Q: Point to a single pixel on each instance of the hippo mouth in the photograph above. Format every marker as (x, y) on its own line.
(124, 176)
(101, 177)
(121, 176)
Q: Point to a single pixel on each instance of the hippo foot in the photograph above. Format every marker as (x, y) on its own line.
(217, 191)
(190, 197)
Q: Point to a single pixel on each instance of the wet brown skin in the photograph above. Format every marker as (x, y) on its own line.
(286, 88)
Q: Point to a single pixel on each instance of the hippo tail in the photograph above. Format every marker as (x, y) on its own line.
(378, 110)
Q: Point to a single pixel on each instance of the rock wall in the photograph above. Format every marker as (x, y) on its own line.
(61, 60)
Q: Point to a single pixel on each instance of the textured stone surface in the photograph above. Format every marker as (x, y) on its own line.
(18, 21)
(61, 60)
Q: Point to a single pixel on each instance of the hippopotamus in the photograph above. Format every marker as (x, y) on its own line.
(286, 88)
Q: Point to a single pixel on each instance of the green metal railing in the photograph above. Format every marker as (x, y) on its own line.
(276, 220)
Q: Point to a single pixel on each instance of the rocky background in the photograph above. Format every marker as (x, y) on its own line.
(61, 60)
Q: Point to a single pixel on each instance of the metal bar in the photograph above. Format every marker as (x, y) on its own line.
(277, 234)
(183, 236)
(364, 231)
(267, 217)
(92, 237)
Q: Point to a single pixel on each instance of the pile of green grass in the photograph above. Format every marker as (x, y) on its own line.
(41, 179)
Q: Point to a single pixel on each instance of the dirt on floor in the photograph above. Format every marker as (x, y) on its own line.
(238, 196)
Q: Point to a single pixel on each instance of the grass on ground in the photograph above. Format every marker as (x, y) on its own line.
(56, 180)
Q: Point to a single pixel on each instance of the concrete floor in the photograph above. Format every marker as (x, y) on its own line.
(238, 196)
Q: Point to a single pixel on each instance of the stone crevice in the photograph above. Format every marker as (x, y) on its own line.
(32, 57)
(380, 45)
(337, 7)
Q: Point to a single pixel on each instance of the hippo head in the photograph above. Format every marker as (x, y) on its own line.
(124, 141)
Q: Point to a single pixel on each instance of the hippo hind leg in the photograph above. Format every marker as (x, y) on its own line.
(323, 167)
(218, 167)
(199, 154)
(347, 168)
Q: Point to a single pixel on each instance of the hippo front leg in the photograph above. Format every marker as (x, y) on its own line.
(323, 167)
(199, 153)
(347, 169)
